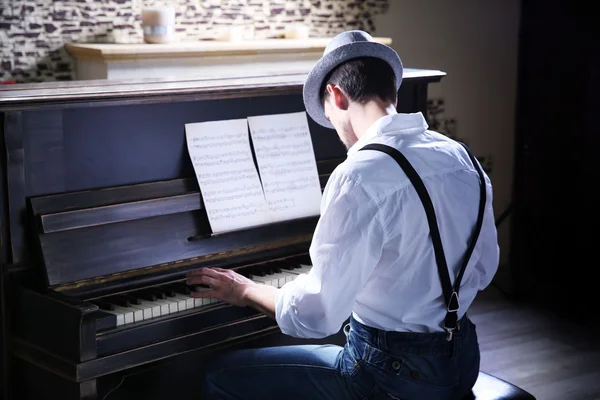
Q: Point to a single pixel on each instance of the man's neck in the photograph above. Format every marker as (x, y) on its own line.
(365, 115)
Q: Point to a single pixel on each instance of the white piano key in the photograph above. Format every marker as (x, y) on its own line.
(138, 314)
(201, 301)
(281, 279)
(305, 268)
(146, 311)
(181, 303)
(127, 314)
(289, 276)
(189, 300)
(207, 301)
(173, 305)
(272, 279)
(165, 308)
(267, 280)
(154, 308)
(120, 316)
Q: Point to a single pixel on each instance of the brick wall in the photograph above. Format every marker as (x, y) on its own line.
(33, 32)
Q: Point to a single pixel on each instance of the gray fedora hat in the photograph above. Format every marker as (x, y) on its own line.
(343, 47)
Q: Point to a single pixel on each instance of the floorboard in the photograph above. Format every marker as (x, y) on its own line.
(551, 358)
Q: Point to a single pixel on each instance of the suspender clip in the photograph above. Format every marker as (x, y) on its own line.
(449, 334)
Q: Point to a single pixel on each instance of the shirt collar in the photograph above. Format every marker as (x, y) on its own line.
(398, 123)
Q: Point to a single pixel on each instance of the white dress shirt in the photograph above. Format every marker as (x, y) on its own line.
(371, 250)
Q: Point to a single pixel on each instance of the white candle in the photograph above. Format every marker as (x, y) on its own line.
(158, 24)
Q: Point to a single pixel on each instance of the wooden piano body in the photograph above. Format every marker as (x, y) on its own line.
(100, 204)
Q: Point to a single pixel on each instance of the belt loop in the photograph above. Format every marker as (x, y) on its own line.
(347, 330)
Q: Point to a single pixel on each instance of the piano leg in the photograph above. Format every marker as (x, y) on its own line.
(47, 385)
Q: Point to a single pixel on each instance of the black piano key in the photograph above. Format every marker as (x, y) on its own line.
(146, 295)
(157, 294)
(104, 305)
(181, 288)
(133, 299)
(259, 272)
(120, 301)
(246, 274)
(197, 288)
(160, 294)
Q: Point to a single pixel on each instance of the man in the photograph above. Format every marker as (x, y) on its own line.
(373, 256)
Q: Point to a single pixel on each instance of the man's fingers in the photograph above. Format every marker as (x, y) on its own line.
(203, 293)
(214, 272)
(202, 280)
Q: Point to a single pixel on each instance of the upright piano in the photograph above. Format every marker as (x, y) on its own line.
(102, 216)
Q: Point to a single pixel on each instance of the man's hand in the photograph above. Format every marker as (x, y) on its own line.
(229, 286)
(225, 285)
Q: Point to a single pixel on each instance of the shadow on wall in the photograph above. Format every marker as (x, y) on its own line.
(448, 126)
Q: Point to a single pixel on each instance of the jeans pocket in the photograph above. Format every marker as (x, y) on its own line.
(410, 371)
(349, 366)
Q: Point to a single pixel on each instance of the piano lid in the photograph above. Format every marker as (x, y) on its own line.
(49, 93)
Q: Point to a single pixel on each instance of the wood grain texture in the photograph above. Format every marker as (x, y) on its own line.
(549, 357)
(120, 212)
(110, 249)
(65, 202)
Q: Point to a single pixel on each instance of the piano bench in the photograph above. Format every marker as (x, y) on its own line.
(489, 387)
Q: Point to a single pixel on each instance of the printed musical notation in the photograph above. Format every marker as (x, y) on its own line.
(287, 165)
(234, 196)
(229, 183)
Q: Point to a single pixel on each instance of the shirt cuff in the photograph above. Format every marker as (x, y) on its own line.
(281, 309)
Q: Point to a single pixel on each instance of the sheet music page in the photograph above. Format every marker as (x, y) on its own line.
(287, 165)
(229, 183)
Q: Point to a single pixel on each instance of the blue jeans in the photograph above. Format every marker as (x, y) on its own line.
(372, 365)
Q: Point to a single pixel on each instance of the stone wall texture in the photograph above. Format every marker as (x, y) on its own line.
(33, 32)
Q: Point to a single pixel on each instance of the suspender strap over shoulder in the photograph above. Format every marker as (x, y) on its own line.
(450, 292)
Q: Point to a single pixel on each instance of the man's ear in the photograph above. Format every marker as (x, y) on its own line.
(339, 98)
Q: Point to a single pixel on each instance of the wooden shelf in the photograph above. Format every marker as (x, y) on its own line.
(122, 52)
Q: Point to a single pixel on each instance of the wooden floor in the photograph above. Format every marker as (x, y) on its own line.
(550, 358)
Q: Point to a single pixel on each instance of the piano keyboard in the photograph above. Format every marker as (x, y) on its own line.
(173, 298)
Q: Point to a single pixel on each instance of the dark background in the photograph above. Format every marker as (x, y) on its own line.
(555, 223)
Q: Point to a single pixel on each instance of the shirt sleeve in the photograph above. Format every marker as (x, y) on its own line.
(487, 265)
(346, 247)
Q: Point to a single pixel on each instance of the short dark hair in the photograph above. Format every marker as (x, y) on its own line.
(363, 79)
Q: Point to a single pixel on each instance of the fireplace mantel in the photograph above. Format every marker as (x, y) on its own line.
(198, 59)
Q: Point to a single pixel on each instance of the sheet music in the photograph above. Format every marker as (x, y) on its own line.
(229, 183)
(287, 165)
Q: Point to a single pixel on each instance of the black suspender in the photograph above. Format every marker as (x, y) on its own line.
(450, 293)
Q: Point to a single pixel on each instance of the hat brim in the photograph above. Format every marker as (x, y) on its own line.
(329, 61)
